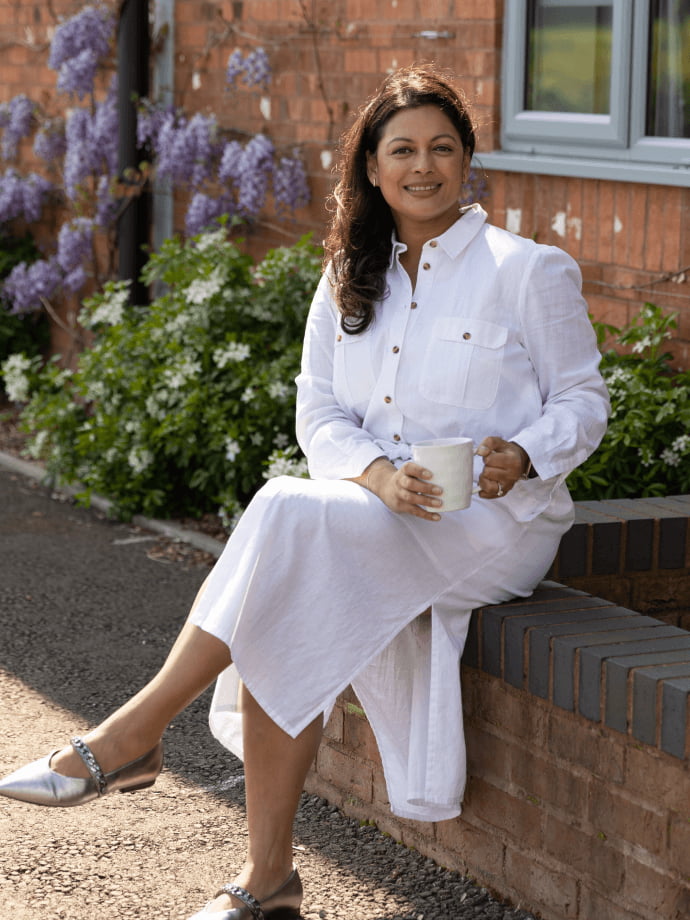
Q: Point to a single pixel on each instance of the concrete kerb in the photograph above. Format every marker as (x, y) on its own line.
(172, 530)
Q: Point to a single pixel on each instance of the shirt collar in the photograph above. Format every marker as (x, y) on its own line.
(472, 218)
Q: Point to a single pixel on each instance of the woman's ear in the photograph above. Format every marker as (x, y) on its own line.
(372, 169)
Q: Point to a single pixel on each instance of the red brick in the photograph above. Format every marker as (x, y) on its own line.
(574, 740)
(655, 891)
(605, 222)
(618, 814)
(555, 785)
(653, 776)
(671, 230)
(655, 227)
(596, 906)
(333, 730)
(481, 851)
(518, 817)
(515, 712)
(489, 756)
(477, 9)
(542, 888)
(590, 199)
(345, 772)
(584, 851)
(679, 846)
(359, 738)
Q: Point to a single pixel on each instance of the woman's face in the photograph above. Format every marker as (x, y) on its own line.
(420, 165)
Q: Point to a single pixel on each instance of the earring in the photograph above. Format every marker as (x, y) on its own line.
(374, 182)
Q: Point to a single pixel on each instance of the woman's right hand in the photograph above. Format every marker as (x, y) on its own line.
(405, 490)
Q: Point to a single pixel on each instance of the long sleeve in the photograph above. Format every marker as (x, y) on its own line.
(329, 433)
(561, 345)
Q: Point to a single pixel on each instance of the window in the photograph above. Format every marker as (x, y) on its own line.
(592, 82)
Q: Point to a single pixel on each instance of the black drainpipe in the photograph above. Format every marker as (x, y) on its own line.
(133, 79)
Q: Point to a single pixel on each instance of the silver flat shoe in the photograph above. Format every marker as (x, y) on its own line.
(38, 784)
(283, 903)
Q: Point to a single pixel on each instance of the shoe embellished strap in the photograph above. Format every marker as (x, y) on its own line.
(243, 895)
(92, 765)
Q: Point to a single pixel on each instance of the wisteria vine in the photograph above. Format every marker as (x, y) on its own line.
(79, 149)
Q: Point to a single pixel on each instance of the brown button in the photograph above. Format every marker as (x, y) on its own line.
(433, 244)
(413, 305)
(339, 339)
(395, 349)
(387, 399)
(396, 437)
(426, 266)
(467, 336)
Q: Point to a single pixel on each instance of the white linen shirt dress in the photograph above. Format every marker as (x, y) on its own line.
(321, 584)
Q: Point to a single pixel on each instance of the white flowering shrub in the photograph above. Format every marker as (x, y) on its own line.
(179, 407)
(646, 449)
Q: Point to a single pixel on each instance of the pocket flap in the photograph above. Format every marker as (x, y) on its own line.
(472, 331)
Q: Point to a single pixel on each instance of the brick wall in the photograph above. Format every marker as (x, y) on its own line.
(577, 718)
(633, 552)
(328, 55)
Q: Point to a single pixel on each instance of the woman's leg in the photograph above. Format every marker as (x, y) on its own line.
(275, 768)
(193, 663)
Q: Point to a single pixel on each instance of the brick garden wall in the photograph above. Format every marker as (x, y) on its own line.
(577, 719)
(632, 240)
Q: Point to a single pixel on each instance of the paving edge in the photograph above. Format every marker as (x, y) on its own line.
(36, 471)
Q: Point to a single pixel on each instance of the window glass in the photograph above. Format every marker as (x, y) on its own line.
(668, 91)
(569, 57)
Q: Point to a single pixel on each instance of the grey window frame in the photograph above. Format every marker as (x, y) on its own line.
(597, 146)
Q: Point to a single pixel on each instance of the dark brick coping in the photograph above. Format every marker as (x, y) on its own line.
(587, 655)
(607, 663)
(626, 535)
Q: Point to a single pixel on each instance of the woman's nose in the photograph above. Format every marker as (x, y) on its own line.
(422, 162)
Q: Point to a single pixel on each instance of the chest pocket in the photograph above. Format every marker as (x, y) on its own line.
(462, 362)
(353, 370)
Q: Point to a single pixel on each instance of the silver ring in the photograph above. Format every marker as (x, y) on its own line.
(500, 492)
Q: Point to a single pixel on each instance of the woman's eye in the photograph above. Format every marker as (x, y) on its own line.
(399, 150)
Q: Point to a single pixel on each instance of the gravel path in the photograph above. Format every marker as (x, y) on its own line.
(88, 609)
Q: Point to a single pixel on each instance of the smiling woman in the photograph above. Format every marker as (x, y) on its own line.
(427, 324)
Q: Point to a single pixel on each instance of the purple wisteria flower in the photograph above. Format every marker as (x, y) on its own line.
(186, 149)
(78, 45)
(22, 197)
(91, 143)
(79, 159)
(204, 210)
(290, 186)
(17, 120)
(235, 66)
(27, 284)
(105, 130)
(106, 204)
(74, 247)
(50, 143)
(230, 168)
(150, 120)
(257, 68)
(256, 171)
(254, 68)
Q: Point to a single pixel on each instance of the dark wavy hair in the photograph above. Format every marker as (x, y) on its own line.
(359, 242)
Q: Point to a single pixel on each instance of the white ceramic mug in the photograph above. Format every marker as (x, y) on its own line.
(450, 460)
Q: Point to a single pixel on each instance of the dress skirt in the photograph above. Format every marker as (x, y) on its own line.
(321, 585)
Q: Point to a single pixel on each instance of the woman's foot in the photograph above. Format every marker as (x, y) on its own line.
(39, 784)
(285, 895)
(112, 749)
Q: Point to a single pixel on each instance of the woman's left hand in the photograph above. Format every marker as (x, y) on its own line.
(504, 463)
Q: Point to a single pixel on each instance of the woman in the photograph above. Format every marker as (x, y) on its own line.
(428, 323)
